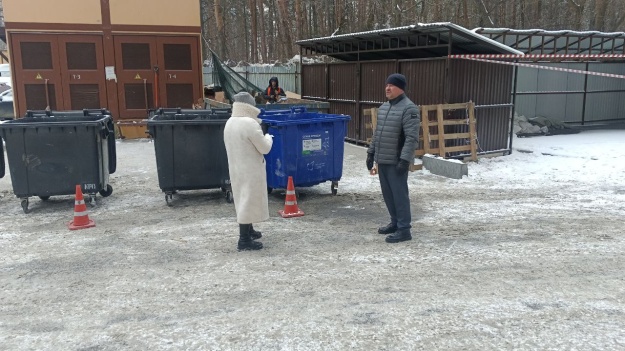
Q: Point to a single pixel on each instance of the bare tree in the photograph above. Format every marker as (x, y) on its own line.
(266, 30)
(263, 31)
(254, 30)
(221, 28)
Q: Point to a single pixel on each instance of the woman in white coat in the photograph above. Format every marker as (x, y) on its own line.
(246, 143)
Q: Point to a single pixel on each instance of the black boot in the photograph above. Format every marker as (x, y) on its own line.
(245, 240)
(254, 234)
(388, 229)
(399, 236)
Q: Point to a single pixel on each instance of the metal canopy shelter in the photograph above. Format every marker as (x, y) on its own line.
(570, 97)
(420, 52)
(409, 42)
(538, 41)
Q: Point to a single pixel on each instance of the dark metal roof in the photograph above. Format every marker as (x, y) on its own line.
(423, 40)
(539, 41)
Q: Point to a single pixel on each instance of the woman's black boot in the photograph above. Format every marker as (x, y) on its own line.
(254, 234)
(245, 239)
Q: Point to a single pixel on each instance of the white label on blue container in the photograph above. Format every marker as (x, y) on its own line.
(311, 145)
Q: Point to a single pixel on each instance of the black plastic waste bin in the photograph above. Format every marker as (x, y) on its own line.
(190, 151)
(112, 150)
(1, 159)
(49, 155)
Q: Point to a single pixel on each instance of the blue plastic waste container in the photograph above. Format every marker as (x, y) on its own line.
(308, 146)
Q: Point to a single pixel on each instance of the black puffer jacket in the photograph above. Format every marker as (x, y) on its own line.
(397, 131)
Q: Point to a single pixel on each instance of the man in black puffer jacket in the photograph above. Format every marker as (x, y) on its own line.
(392, 147)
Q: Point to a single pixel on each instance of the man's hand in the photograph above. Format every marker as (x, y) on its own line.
(402, 166)
(265, 127)
(369, 161)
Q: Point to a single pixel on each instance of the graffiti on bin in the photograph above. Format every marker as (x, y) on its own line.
(311, 166)
(278, 170)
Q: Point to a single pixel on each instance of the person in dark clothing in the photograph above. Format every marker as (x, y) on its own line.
(392, 149)
(273, 92)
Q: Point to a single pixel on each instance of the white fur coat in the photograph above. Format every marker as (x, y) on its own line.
(245, 146)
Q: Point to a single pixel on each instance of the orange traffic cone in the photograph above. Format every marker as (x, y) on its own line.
(290, 203)
(81, 218)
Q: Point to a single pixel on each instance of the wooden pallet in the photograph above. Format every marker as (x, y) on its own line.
(371, 120)
(439, 136)
(438, 124)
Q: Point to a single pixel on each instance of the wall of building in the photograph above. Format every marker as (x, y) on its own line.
(47, 11)
(101, 53)
(155, 12)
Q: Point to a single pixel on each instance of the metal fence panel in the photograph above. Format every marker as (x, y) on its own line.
(314, 81)
(288, 76)
(373, 75)
(572, 97)
(342, 84)
(426, 80)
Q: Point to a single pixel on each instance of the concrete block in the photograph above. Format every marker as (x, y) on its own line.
(447, 168)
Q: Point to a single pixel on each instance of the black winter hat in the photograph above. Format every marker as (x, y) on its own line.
(272, 79)
(397, 80)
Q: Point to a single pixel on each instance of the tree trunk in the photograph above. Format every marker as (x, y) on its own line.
(284, 32)
(253, 31)
(299, 20)
(600, 10)
(263, 31)
(221, 30)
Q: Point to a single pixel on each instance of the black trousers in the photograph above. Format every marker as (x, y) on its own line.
(395, 192)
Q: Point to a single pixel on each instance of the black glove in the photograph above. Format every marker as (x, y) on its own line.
(265, 127)
(369, 161)
(402, 166)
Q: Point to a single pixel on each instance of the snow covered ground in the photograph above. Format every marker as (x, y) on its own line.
(525, 253)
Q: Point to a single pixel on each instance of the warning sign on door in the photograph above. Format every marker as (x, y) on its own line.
(137, 76)
(38, 76)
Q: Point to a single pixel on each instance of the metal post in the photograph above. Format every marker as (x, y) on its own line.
(360, 125)
(585, 94)
(447, 92)
(300, 68)
(514, 89)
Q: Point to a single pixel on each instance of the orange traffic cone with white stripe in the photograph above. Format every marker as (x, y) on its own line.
(81, 218)
(290, 203)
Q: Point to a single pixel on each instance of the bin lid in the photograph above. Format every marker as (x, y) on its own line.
(56, 121)
(299, 115)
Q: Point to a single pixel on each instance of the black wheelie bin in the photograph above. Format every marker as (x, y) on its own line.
(1, 159)
(190, 150)
(49, 152)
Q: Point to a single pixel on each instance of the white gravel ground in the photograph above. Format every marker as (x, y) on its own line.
(526, 253)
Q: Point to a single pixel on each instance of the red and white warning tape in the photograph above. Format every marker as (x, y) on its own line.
(465, 57)
(541, 56)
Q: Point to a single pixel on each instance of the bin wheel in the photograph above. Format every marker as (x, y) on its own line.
(168, 199)
(334, 188)
(24, 204)
(269, 190)
(44, 198)
(229, 197)
(106, 192)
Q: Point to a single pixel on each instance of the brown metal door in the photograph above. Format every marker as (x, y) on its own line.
(179, 71)
(135, 58)
(37, 72)
(82, 72)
